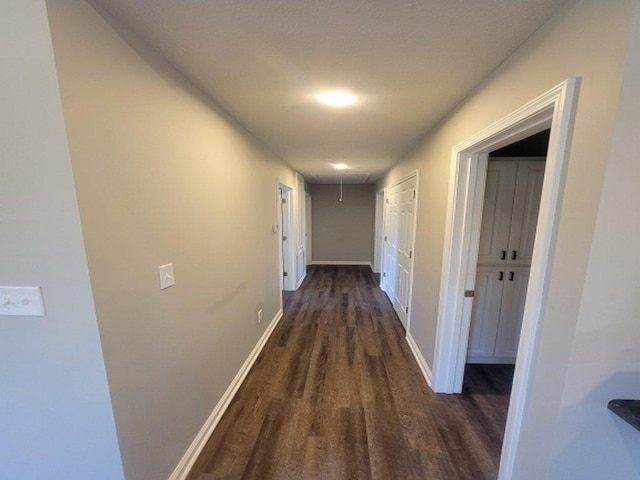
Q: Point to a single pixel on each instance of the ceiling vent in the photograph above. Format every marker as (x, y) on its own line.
(334, 178)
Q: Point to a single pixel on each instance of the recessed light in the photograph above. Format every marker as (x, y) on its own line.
(340, 166)
(336, 98)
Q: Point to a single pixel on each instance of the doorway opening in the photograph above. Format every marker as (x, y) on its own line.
(512, 192)
(554, 110)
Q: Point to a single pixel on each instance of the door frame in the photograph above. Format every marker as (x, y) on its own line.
(286, 256)
(308, 208)
(300, 225)
(378, 232)
(555, 109)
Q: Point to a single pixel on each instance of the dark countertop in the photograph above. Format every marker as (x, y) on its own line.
(628, 410)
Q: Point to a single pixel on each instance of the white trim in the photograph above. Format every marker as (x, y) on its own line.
(555, 108)
(300, 246)
(413, 173)
(183, 468)
(341, 262)
(422, 363)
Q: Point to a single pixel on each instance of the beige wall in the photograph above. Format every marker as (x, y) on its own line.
(56, 419)
(591, 442)
(343, 231)
(163, 176)
(588, 39)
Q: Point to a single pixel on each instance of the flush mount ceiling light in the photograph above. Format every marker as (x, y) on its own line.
(336, 98)
(340, 166)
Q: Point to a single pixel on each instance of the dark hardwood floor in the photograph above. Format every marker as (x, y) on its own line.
(336, 394)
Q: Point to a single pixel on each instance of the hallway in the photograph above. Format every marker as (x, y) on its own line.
(336, 394)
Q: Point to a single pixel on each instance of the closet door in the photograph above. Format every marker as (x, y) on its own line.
(485, 314)
(514, 296)
(497, 212)
(526, 204)
(406, 198)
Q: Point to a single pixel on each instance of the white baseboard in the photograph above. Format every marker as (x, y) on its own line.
(424, 367)
(186, 463)
(340, 262)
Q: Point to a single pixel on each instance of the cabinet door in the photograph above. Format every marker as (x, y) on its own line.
(497, 211)
(513, 298)
(485, 312)
(526, 204)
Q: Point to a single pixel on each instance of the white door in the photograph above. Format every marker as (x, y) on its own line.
(516, 280)
(485, 315)
(406, 198)
(526, 204)
(399, 226)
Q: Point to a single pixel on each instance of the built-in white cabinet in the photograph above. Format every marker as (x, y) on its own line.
(509, 218)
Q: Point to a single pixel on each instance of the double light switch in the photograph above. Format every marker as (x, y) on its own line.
(21, 301)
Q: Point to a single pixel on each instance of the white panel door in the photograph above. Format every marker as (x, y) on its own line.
(497, 212)
(485, 314)
(513, 298)
(526, 205)
(406, 201)
(390, 243)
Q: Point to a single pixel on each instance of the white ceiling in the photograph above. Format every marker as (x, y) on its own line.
(262, 60)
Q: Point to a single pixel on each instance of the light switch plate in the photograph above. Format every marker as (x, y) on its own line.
(22, 301)
(166, 276)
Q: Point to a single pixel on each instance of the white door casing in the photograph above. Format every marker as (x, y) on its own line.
(285, 225)
(555, 108)
(308, 229)
(378, 233)
(497, 212)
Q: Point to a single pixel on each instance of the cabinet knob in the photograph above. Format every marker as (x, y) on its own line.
(500, 276)
(511, 276)
(514, 254)
(503, 255)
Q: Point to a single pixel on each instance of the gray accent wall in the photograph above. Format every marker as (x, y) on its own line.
(343, 231)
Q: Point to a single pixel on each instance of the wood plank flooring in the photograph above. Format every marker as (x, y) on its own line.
(337, 394)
